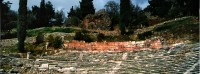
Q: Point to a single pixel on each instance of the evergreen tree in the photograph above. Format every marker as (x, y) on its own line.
(138, 18)
(75, 12)
(35, 12)
(42, 20)
(72, 12)
(74, 17)
(21, 32)
(184, 7)
(125, 10)
(7, 15)
(78, 12)
(112, 8)
(50, 13)
(43, 14)
(59, 17)
(87, 7)
(173, 8)
(159, 7)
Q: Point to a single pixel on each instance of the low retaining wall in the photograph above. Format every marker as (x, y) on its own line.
(114, 46)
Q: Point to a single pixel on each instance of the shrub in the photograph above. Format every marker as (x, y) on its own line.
(79, 36)
(58, 42)
(40, 38)
(83, 35)
(101, 37)
(34, 49)
(111, 38)
(50, 39)
(55, 42)
(145, 35)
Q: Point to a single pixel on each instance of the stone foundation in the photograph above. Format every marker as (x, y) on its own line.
(114, 46)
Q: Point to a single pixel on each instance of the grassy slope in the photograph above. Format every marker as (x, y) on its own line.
(35, 32)
(181, 29)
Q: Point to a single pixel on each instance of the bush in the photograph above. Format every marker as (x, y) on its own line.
(101, 37)
(111, 38)
(79, 36)
(55, 42)
(145, 35)
(40, 38)
(58, 42)
(34, 49)
(82, 35)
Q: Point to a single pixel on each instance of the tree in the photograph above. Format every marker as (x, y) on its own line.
(87, 7)
(4, 10)
(43, 14)
(77, 11)
(112, 8)
(72, 12)
(42, 18)
(184, 7)
(74, 17)
(34, 14)
(11, 18)
(21, 31)
(59, 18)
(50, 13)
(159, 7)
(125, 10)
(138, 18)
(8, 17)
(173, 8)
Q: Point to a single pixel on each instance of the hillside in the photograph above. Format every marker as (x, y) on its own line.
(173, 31)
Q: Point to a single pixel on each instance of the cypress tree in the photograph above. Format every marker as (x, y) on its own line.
(42, 19)
(87, 7)
(125, 10)
(21, 32)
(71, 13)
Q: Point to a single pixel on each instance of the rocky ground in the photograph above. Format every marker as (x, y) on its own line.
(179, 58)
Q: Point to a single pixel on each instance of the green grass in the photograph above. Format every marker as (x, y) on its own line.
(174, 25)
(35, 32)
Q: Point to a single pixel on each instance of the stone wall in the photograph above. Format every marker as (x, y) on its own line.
(114, 46)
